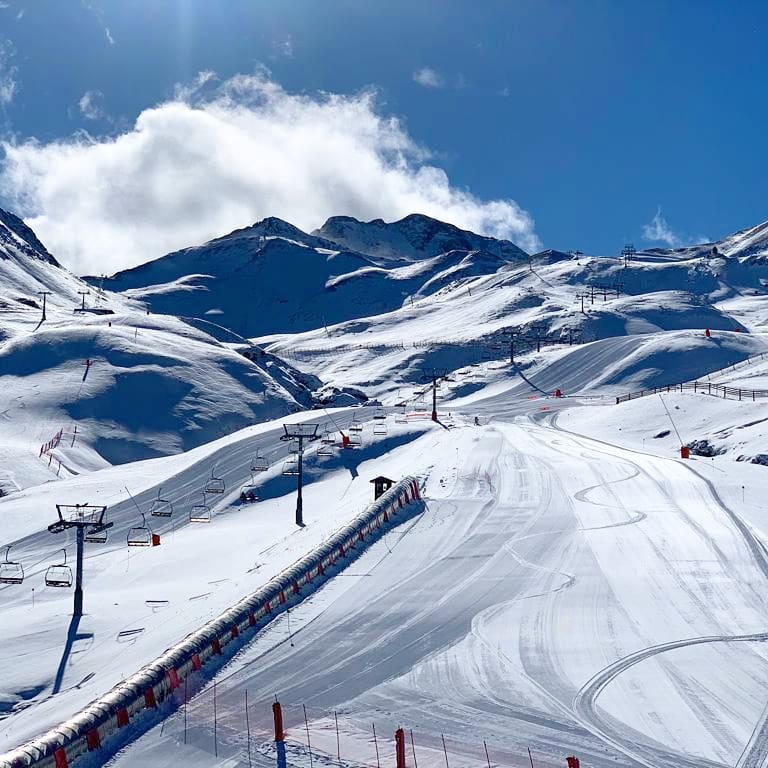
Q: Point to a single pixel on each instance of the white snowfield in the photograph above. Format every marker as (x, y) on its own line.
(573, 586)
(559, 593)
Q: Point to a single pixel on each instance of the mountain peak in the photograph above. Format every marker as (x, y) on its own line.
(14, 232)
(411, 238)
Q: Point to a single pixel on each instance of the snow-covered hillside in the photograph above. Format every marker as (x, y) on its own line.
(153, 385)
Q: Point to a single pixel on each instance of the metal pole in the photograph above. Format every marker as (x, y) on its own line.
(376, 744)
(487, 756)
(79, 572)
(413, 749)
(215, 723)
(299, 500)
(248, 726)
(338, 742)
(434, 398)
(309, 743)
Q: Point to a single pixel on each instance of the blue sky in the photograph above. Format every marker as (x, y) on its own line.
(591, 116)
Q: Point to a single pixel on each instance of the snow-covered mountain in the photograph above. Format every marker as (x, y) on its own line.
(411, 238)
(272, 277)
(153, 385)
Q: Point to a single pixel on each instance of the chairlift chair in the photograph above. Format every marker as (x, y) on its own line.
(59, 575)
(355, 438)
(380, 428)
(161, 507)
(291, 466)
(380, 414)
(140, 535)
(248, 493)
(214, 484)
(96, 535)
(401, 418)
(259, 463)
(328, 438)
(325, 451)
(355, 426)
(200, 513)
(11, 572)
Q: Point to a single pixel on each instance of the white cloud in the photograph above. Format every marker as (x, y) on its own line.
(90, 105)
(8, 73)
(659, 231)
(429, 78)
(215, 159)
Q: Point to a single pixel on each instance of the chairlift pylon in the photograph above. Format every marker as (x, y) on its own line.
(214, 484)
(59, 575)
(10, 571)
(140, 535)
(259, 463)
(161, 507)
(200, 513)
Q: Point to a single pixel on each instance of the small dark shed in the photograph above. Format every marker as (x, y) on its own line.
(381, 484)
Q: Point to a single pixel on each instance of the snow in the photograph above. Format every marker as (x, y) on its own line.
(572, 587)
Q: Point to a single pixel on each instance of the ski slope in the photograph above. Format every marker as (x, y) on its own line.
(139, 601)
(558, 593)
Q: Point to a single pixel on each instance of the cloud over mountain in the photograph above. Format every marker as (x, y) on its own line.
(219, 155)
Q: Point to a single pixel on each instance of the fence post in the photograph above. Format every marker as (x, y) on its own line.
(277, 714)
(400, 747)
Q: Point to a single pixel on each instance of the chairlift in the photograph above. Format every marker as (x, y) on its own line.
(96, 535)
(200, 513)
(328, 438)
(401, 418)
(355, 438)
(161, 507)
(325, 451)
(248, 493)
(380, 428)
(355, 426)
(11, 572)
(291, 466)
(420, 405)
(214, 484)
(259, 463)
(59, 575)
(380, 413)
(140, 535)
